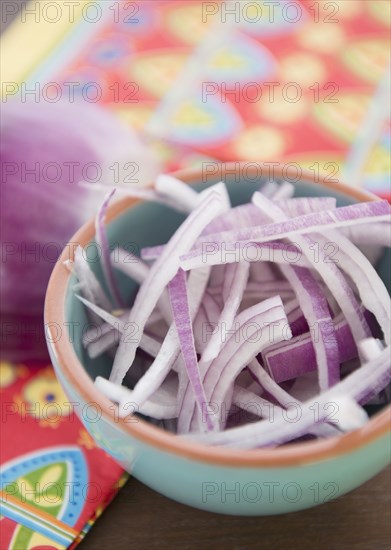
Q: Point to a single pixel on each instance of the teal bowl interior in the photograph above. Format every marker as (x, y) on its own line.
(148, 224)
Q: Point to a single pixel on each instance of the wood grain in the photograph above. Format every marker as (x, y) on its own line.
(140, 518)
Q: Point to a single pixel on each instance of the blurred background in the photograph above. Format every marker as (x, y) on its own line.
(253, 81)
(97, 94)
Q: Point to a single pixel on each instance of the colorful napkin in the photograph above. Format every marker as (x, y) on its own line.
(54, 479)
(197, 87)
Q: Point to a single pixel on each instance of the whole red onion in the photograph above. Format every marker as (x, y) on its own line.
(47, 149)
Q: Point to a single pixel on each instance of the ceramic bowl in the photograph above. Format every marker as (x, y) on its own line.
(256, 482)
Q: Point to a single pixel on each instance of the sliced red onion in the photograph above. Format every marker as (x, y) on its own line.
(200, 322)
(254, 253)
(229, 275)
(130, 265)
(249, 401)
(159, 276)
(273, 287)
(372, 252)
(255, 318)
(247, 215)
(211, 307)
(246, 399)
(136, 269)
(294, 208)
(103, 244)
(262, 272)
(170, 349)
(342, 292)
(292, 308)
(205, 323)
(348, 414)
(233, 296)
(149, 344)
(270, 188)
(365, 386)
(185, 398)
(237, 280)
(180, 306)
(94, 333)
(283, 397)
(217, 276)
(109, 318)
(146, 343)
(371, 348)
(178, 191)
(360, 386)
(313, 304)
(304, 387)
(371, 288)
(106, 342)
(221, 189)
(376, 234)
(203, 393)
(228, 241)
(244, 353)
(315, 309)
(138, 193)
(284, 191)
(88, 283)
(162, 405)
(297, 322)
(291, 359)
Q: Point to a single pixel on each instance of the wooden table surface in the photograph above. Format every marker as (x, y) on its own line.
(140, 519)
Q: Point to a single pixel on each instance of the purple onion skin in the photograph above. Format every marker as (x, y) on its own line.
(38, 214)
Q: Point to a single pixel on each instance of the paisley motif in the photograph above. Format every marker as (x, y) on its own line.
(44, 492)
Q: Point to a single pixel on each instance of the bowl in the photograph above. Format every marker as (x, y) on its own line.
(253, 482)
